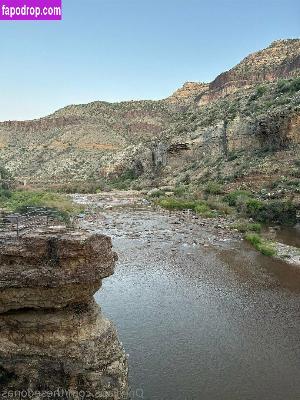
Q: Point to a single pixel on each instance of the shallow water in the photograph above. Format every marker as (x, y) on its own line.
(201, 317)
(289, 235)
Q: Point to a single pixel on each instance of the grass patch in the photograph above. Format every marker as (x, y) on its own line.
(178, 204)
(21, 201)
(87, 187)
(207, 209)
(265, 247)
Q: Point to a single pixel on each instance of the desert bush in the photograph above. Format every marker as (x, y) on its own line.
(220, 206)
(4, 195)
(157, 193)
(281, 212)
(180, 190)
(214, 188)
(288, 86)
(6, 180)
(260, 91)
(236, 197)
(123, 181)
(266, 212)
(246, 226)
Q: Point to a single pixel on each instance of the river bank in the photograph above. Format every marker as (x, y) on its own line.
(219, 228)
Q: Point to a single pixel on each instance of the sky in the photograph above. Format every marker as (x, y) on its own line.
(116, 50)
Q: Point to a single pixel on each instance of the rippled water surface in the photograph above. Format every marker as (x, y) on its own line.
(201, 317)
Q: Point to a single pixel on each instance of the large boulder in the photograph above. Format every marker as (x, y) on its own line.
(48, 269)
(54, 338)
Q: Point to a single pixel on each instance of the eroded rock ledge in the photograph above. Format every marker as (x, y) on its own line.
(53, 336)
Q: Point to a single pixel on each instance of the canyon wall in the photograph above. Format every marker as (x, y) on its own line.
(254, 105)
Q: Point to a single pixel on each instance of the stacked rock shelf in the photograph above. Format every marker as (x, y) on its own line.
(54, 340)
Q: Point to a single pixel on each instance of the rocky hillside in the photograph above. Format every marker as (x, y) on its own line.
(243, 126)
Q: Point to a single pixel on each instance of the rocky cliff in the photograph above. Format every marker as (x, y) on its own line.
(251, 110)
(54, 338)
(281, 60)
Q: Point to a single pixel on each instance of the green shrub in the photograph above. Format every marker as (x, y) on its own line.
(253, 238)
(4, 174)
(295, 85)
(129, 174)
(220, 206)
(245, 226)
(5, 194)
(288, 86)
(180, 190)
(178, 204)
(260, 91)
(58, 204)
(120, 184)
(157, 193)
(266, 212)
(202, 208)
(281, 212)
(123, 181)
(213, 188)
(237, 196)
(205, 211)
(253, 207)
(232, 155)
(6, 181)
(265, 247)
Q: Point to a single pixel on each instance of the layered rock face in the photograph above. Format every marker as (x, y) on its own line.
(278, 61)
(281, 60)
(53, 335)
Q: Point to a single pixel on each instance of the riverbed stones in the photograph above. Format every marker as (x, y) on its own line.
(53, 336)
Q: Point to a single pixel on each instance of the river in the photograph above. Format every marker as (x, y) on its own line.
(202, 316)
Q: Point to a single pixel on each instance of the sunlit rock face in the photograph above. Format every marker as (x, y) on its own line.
(53, 336)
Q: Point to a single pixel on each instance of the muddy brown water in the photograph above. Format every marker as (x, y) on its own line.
(289, 235)
(201, 316)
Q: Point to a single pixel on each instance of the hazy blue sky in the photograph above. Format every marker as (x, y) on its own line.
(131, 49)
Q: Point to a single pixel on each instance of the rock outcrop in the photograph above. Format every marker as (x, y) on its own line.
(189, 92)
(53, 336)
